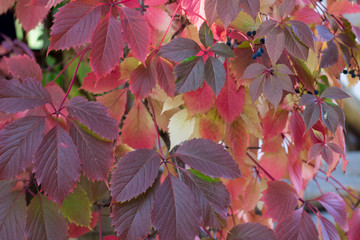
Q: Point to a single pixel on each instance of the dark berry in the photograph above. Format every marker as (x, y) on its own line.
(345, 71)
(353, 75)
(351, 72)
(297, 90)
(316, 92)
(310, 93)
(358, 75)
(248, 33)
(253, 33)
(261, 50)
(228, 43)
(262, 41)
(258, 54)
(254, 56)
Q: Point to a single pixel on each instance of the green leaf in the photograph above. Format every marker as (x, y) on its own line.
(77, 207)
(204, 177)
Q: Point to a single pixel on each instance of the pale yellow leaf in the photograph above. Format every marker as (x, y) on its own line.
(181, 127)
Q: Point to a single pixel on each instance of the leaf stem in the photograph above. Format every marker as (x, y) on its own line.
(157, 129)
(259, 166)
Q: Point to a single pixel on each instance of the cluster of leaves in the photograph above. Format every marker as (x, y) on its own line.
(169, 114)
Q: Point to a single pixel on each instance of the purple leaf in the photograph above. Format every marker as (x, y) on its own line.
(142, 80)
(251, 231)
(324, 35)
(206, 36)
(134, 174)
(228, 10)
(311, 115)
(328, 230)
(307, 99)
(96, 155)
(57, 164)
(176, 214)
(179, 49)
(12, 211)
(303, 32)
(210, 11)
(283, 69)
(16, 96)
(336, 207)
(329, 56)
(334, 93)
(327, 155)
(332, 115)
(253, 71)
(94, 115)
(18, 143)
(335, 148)
(265, 28)
(257, 87)
(209, 158)
(273, 91)
(297, 226)
(215, 74)
(223, 50)
(165, 75)
(293, 46)
(131, 219)
(252, 7)
(315, 150)
(44, 220)
(286, 7)
(346, 53)
(284, 82)
(213, 198)
(275, 43)
(190, 75)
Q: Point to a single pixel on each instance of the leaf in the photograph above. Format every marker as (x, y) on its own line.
(328, 230)
(22, 67)
(278, 158)
(96, 154)
(307, 99)
(311, 115)
(94, 115)
(332, 115)
(254, 71)
(286, 7)
(303, 33)
(18, 143)
(139, 130)
(208, 157)
(252, 7)
(228, 10)
(329, 55)
(297, 130)
(222, 49)
(334, 93)
(293, 46)
(77, 208)
(307, 15)
(265, 28)
(131, 219)
(175, 215)
(189, 75)
(143, 80)
(199, 101)
(74, 24)
(274, 123)
(12, 211)
(44, 221)
(280, 200)
(324, 34)
(298, 226)
(75, 231)
(16, 96)
(354, 225)
(206, 35)
(136, 32)
(179, 49)
(106, 45)
(181, 127)
(215, 74)
(211, 11)
(343, 7)
(275, 43)
(134, 174)
(115, 101)
(250, 231)
(336, 207)
(236, 138)
(165, 75)
(30, 15)
(6, 5)
(57, 164)
(213, 198)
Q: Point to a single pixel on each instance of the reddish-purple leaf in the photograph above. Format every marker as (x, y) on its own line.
(324, 34)
(23, 66)
(254, 71)
(332, 115)
(206, 36)
(223, 50)
(307, 99)
(280, 200)
(215, 74)
(251, 231)
(327, 155)
(48, 3)
(74, 24)
(75, 231)
(44, 220)
(328, 230)
(18, 143)
(335, 148)
(329, 56)
(307, 15)
(57, 164)
(134, 174)
(165, 75)
(209, 158)
(30, 15)
(179, 49)
(136, 32)
(95, 154)
(257, 87)
(16, 96)
(6, 5)
(297, 226)
(176, 214)
(12, 211)
(354, 226)
(315, 150)
(336, 207)
(334, 93)
(94, 115)
(106, 45)
(275, 43)
(293, 46)
(286, 7)
(228, 10)
(189, 75)
(211, 11)
(265, 28)
(303, 32)
(131, 219)
(311, 115)
(143, 80)
(252, 7)
(295, 174)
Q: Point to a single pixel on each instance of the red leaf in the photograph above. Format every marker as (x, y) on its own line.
(336, 207)
(236, 137)
(175, 215)
(30, 15)
(22, 66)
(307, 15)
(250, 231)
(190, 75)
(343, 7)
(16, 96)
(209, 158)
(165, 75)
(6, 5)
(297, 130)
(96, 85)
(278, 159)
(228, 10)
(57, 164)
(134, 174)
(143, 80)
(199, 101)
(136, 32)
(295, 173)
(275, 43)
(213, 198)
(354, 226)
(77, 231)
(95, 154)
(115, 101)
(106, 45)
(131, 219)
(48, 3)
(297, 226)
(138, 130)
(12, 211)
(274, 123)
(94, 115)
(110, 238)
(18, 143)
(44, 221)
(179, 49)
(215, 74)
(328, 230)
(252, 7)
(280, 200)
(74, 24)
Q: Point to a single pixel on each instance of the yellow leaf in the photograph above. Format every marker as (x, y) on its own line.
(181, 127)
